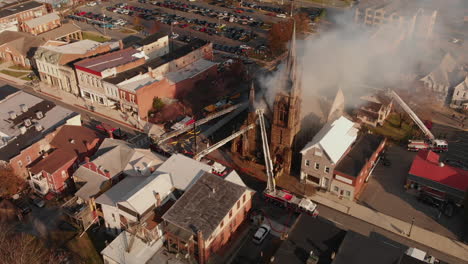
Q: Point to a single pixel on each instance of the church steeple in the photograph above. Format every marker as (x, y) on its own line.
(252, 98)
(292, 82)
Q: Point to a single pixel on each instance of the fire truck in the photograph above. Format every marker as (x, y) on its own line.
(430, 143)
(281, 197)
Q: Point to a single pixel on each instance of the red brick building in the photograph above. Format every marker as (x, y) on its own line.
(356, 165)
(69, 148)
(19, 47)
(205, 217)
(19, 13)
(170, 76)
(41, 24)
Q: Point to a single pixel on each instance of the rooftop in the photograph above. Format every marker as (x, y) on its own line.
(140, 251)
(427, 169)
(357, 249)
(110, 60)
(75, 139)
(21, 41)
(153, 64)
(11, 10)
(38, 21)
(94, 183)
(353, 162)
(53, 161)
(334, 138)
(190, 70)
(184, 171)
(151, 38)
(137, 193)
(52, 117)
(60, 32)
(135, 85)
(6, 91)
(306, 235)
(204, 205)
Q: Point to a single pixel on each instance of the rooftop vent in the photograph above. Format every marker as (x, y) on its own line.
(39, 115)
(12, 114)
(27, 122)
(38, 126)
(71, 140)
(23, 130)
(24, 108)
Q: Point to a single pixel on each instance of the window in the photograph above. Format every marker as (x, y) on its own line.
(307, 163)
(348, 193)
(230, 213)
(64, 174)
(222, 223)
(28, 159)
(238, 204)
(327, 170)
(336, 189)
(317, 166)
(243, 198)
(113, 216)
(20, 164)
(313, 179)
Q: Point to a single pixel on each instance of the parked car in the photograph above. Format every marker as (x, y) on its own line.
(91, 4)
(36, 200)
(261, 234)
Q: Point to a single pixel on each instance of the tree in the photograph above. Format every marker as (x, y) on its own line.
(158, 104)
(11, 183)
(20, 248)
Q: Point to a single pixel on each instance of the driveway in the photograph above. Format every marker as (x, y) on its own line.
(385, 193)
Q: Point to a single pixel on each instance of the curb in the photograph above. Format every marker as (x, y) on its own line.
(108, 117)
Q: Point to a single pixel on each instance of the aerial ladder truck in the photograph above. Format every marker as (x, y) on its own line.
(431, 143)
(271, 193)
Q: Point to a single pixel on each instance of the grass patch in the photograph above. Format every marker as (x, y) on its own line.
(26, 78)
(127, 31)
(392, 130)
(18, 67)
(95, 36)
(84, 247)
(13, 73)
(334, 3)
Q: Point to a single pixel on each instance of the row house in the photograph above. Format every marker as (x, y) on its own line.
(354, 169)
(19, 47)
(17, 14)
(170, 76)
(41, 24)
(91, 72)
(54, 62)
(322, 154)
(374, 109)
(460, 96)
(69, 147)
(112, 162)
(27, 126)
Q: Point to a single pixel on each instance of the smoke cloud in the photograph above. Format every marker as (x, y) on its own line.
(349, 55)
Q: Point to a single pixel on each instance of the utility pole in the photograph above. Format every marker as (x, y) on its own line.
(411, 227)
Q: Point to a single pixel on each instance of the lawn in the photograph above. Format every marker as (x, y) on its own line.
(95, 36)
(128, 31)
(13, 73)
(18, 67)
(83, 246)
(392, 130)
(334, 3)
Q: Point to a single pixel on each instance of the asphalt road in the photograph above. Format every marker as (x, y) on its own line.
(88, 118)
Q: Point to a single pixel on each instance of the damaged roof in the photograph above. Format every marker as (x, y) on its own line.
(205, 204)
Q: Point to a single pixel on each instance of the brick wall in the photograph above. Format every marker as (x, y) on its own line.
(41, 28)
(9, 53)
(25, 15)
(130, 65)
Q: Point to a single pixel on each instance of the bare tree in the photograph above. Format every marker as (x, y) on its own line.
(11, 183)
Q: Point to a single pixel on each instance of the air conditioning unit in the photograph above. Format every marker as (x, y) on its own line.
(24, 108)
(39, 115)
(38, 126)
(23, 130)
(12, 114)
(27, 122)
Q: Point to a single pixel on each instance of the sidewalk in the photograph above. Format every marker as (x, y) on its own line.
(104, 111)
(420, 235)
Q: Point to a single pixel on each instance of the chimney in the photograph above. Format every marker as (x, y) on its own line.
(201, 247)
(158, 199)
(111, 135)
(121, 46)
(86, 159)
(12, 115)
(71, 140)
(24, 108)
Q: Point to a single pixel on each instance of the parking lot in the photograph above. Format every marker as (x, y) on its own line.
(385, 193)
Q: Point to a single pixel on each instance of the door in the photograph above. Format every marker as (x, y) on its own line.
(325, 182)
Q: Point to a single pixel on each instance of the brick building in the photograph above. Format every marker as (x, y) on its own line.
(53, 62)
(19, 47)
(41, 24)
(91, 72)
(69, 147)
(205, 217)
(154, 46)
(27, 126)
(356, 165)
(170, 76)
(17, 14)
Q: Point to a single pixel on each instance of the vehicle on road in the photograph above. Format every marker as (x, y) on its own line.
(281, 15)
(91, 4)
(36, 200)
(261, 234)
